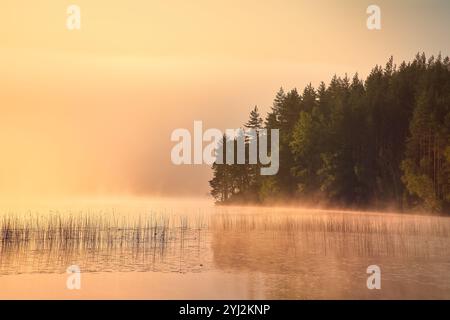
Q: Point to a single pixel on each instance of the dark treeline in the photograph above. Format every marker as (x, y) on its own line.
(383, 142)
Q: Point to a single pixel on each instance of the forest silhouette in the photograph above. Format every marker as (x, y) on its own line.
(382, 142)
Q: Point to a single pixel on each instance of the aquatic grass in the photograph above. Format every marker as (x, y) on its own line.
(90, 230)
(59, 237)
(336, 233)
(97, 230)
(406, 225)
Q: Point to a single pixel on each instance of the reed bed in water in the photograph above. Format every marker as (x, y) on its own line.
(337, 233)
(111, 230)
(335, 222)
(94, 230)
(98, 241)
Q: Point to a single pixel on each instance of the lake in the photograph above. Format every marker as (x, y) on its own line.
(191, 249)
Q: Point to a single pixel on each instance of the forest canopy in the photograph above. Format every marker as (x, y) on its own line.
(374, 143)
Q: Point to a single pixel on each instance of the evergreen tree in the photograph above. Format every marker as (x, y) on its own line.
(273, 117)
(382, 141)
(255, 121)
(426, 167)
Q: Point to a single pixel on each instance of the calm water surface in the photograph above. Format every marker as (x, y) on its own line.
(187, 249)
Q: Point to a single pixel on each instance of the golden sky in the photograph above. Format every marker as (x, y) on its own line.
(91, 110)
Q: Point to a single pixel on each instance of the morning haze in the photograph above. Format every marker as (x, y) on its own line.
(91, 111)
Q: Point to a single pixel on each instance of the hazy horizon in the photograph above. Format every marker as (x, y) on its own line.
(90, 112)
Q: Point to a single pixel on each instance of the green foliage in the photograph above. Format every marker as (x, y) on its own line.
(382, 141)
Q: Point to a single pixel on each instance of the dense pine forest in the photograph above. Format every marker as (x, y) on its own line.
(379, 143)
